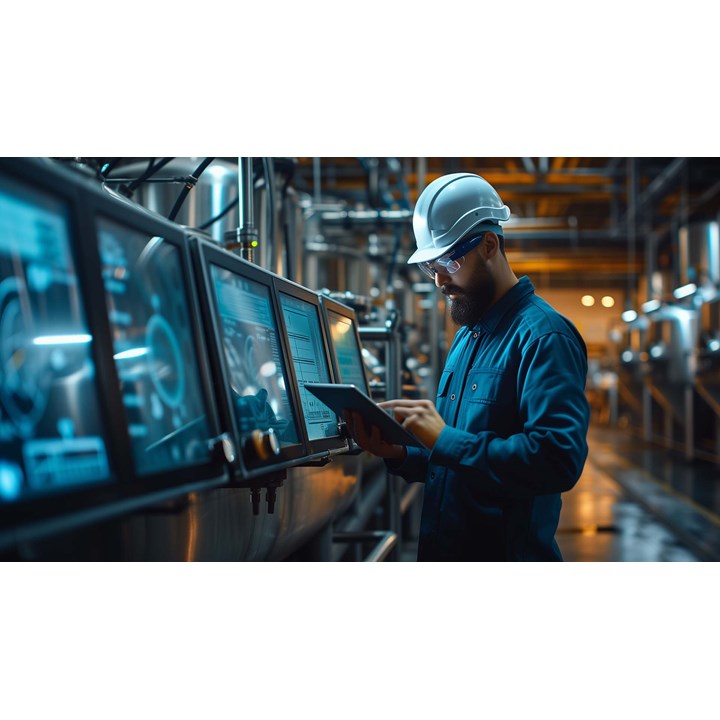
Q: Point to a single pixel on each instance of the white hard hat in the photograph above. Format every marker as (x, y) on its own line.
(448, 208)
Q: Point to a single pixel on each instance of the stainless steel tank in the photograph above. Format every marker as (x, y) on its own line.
(671, 355)
(215, 190)
(219, 525)
(699, 254)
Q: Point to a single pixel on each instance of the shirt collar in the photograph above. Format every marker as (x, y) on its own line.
(496, 312)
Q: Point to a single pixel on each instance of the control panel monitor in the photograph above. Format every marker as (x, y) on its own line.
(52, 439)
(250, 356)
(345, 345)
(307, 346)
(155, 347)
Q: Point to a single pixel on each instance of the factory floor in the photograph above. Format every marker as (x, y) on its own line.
(636, 502)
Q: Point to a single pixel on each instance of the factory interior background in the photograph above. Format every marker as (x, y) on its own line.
(627, 622)
(186, 431)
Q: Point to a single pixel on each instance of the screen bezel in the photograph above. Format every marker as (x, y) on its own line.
(67, 510)
(328, 305)
(209, 254)
(321, 446)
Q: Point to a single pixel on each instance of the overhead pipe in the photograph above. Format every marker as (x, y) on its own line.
(654, 189)
(365, 217)
(244, 239)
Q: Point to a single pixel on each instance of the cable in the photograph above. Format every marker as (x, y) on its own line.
(189, 185)
(220, 215)
(152, 168)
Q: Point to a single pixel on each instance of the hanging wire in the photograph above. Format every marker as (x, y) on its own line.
(189, 185)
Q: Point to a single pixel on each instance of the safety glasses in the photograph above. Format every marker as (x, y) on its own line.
(453, 261)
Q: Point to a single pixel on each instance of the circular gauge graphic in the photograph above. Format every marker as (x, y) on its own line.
(240, 357)
(25, 374)
(165, 361)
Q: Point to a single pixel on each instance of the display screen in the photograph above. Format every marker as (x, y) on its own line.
(348, 353)
(51, 435)
(155, 351)
(310, 362)
(252, 353)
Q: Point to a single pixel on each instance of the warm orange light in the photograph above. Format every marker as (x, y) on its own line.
(608, 301)
(587, 300)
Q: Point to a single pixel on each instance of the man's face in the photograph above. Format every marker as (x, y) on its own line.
(471, 289)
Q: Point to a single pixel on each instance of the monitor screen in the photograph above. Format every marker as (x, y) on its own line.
(348, 353)
(155, 348)
(51, 436)
(305, 340)
(251, 346)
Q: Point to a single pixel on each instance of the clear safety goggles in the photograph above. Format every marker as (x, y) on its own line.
(453, 261)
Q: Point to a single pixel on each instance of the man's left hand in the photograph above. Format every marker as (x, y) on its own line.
(420, 417)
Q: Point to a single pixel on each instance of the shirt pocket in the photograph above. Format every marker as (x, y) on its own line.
(442, 402)
(444, 383)
(487, 386)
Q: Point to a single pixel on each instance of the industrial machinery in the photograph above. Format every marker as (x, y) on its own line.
(672, 338)
(152, 387)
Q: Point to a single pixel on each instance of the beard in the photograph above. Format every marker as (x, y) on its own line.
(471, 304)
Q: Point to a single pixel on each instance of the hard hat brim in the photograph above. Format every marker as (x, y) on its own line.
(433, 253)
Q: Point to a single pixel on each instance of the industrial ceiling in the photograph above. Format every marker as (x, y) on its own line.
(578, 220)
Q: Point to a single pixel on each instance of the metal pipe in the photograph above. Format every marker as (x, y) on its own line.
(372, 494)
(663, 179)
(409, 497)
(689, 423)
(420, 180)
(386, 541)
(245, 238)
(246, 210)
(384, 217)
(317, 194)
(647, 412)
(382, 550)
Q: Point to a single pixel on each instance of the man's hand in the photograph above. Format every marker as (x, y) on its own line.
(420, 417)
(371, 441)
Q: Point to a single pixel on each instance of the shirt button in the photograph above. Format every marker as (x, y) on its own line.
(452, 397)
(475, 334)
(432, 476)
(474, 387)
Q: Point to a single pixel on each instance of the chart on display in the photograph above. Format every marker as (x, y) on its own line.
(310, 362)
(155, 350)
(51, 436)
(347, 351)
(253, 357)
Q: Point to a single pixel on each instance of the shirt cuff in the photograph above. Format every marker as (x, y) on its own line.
(450, 445)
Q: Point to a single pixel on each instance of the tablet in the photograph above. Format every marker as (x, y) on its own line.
(339, 397)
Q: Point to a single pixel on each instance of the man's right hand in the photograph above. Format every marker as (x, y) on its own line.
(371, 441)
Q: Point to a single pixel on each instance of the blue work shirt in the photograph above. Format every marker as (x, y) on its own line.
(513, 396)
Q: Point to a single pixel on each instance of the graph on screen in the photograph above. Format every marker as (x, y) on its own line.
(310, 362)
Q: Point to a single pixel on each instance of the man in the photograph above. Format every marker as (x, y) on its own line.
(508, 432)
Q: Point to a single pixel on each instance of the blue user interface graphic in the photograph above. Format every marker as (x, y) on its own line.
(154, 349)
(347, 350)
(309, 360)
(252, 353)
(50, 426)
